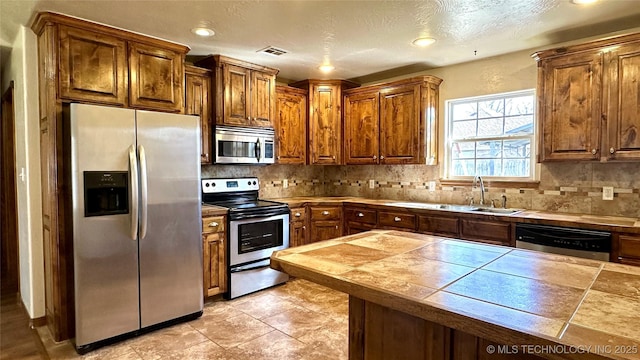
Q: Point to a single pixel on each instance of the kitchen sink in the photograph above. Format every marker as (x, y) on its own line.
(452, 207)
(498, 210)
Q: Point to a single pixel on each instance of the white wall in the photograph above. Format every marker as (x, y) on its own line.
(22, 68)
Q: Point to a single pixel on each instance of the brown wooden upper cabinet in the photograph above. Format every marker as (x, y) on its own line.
(325, 119)
(244, 94)
(291, 125)
(588, 100)
(156, 78)
(93, 66)
(392, 123)
(197, 102)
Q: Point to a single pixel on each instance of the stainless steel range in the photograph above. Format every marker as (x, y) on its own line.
(257, 228)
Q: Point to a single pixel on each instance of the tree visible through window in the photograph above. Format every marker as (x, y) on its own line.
(491, 136)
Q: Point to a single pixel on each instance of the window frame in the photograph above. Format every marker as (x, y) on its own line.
(448, 138)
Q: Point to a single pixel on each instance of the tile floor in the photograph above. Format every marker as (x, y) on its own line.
(297, 320)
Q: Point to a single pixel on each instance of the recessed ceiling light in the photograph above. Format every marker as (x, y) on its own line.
(326, 68)
(204, 32)
(423, 41)
(583, 2)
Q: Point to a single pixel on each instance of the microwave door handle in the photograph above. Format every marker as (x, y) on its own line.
(133, 174)
(258, 149)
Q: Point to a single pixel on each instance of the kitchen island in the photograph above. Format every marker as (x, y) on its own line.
(414, 296)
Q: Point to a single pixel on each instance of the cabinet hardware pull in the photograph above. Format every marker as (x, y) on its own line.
(333, 157)
(325, 213)
(381, 157)
(304, 226)
(396, 219)
(298, 214)
(336, 226)
(360, 214)
(213, 224)
(594, 151)
(278, 157)
(612, 150)
(374, 157)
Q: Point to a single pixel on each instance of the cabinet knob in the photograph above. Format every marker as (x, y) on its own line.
(213, 224)
(397, 219)
(333, 157)
(297, 214)
(381, 157)
(594, 151)
(612, 150)
(325, 213)
(374, 157)
(360, 214)
(278, 157)
(336, 227)
(304, 226)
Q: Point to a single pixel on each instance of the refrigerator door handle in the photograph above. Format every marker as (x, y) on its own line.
(143, 191)
(133, 173)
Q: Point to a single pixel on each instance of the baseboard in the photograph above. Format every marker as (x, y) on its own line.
(33, 322)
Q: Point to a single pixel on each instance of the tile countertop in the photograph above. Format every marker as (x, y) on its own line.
(212, 210)
(485, 290)
(597, 222)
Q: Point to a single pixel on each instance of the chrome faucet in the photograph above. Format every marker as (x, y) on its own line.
(475, 182)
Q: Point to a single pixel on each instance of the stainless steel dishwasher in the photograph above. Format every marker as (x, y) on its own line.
(588, 244)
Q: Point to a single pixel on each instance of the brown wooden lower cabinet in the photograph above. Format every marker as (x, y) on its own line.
(438, 225)
(378, 332)
(396, 220)
(298, 234)
(214, 255)
(325, 223)
(491, 232)
(358, 220)
(628, 249)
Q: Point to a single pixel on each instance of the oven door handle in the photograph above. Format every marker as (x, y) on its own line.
(247, 268)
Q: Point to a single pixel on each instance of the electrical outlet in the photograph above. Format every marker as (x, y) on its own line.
(432, 186)
(372, 184)
(285, 183)
(607, 193)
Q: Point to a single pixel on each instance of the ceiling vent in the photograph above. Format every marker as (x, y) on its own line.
(273, 51)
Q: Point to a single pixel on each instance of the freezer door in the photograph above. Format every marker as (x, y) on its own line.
(170, 222)
(104, 222)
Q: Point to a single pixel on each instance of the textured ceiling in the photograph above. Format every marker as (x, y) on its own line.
(364, 40)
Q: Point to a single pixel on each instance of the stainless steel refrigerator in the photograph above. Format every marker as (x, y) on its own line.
(136, 221)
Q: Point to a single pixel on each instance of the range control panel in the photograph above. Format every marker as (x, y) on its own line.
(211, 186)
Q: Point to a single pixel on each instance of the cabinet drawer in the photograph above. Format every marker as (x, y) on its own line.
(298, 214)
(397, 220)
(360, 215)
(629, 246)
(438, 225)
(490, 231)
(213, 224)
(326, 213)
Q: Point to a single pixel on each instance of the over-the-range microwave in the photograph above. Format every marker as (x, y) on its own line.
(241, 145)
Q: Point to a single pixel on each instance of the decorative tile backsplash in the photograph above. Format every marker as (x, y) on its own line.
(564, 187)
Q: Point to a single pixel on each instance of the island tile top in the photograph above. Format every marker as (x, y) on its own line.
(557, 299)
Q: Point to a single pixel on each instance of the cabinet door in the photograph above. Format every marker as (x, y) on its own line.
(492, 232)
(396, 220)
(438, 225)
(569, 106)
(298, 234)
(214, 255)
(156, 78)
(92, 67)
(325, 230)
(197, 103)
(291, 126)
(623, 117)
(263, 99)
(236, 92)
(361, 128)
(400, 136)
(325, 127)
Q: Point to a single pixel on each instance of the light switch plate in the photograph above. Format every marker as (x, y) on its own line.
(607, 193)
(432, 186)
(285, 183)
(372, 184)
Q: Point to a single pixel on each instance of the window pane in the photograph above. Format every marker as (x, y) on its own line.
(464, 129)
(489, 149)
(516, 167)
(517, 148)
(491, 108)
(465, 111)
(489, 127)
(463, 150)
(518, 124)
(519, 105)
(463, 167)
(489, 167)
